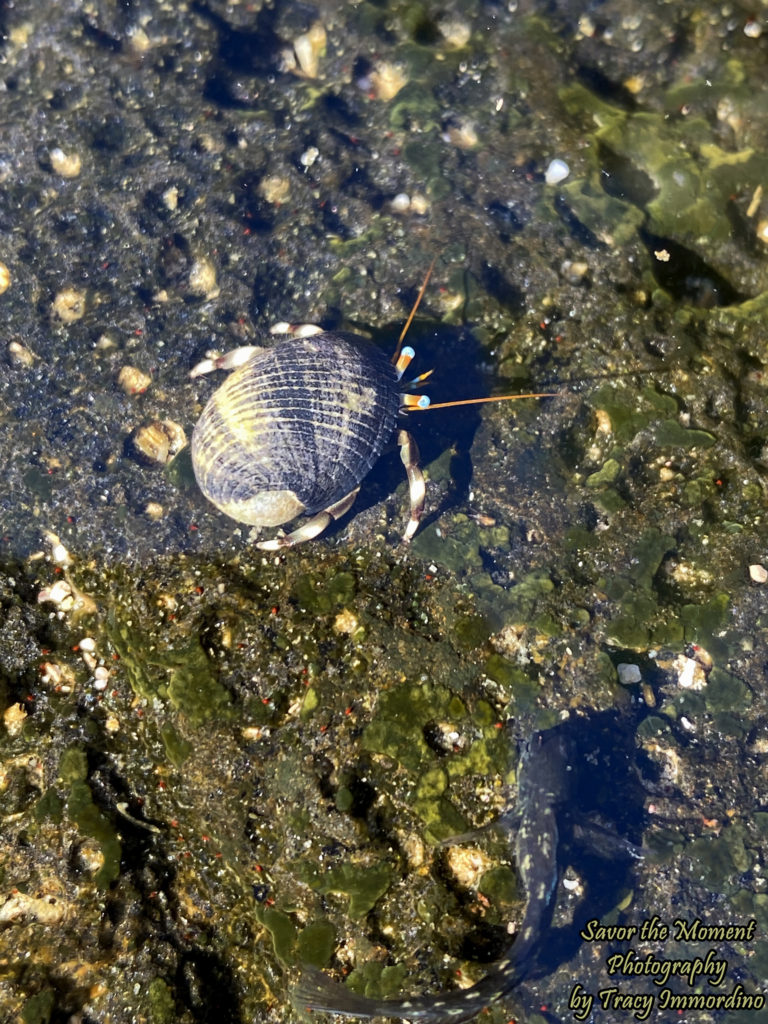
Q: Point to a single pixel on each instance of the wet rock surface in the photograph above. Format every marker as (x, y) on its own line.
(217, 766)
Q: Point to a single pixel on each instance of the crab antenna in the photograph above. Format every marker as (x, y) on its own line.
(478, 401)
(412, 314)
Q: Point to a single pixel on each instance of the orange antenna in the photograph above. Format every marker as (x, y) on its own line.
(412, 314)
(478, 401)
(422, 402)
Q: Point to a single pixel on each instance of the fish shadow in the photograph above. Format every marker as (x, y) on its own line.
(600, 829)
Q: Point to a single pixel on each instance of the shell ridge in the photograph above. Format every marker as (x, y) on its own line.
(309, 416)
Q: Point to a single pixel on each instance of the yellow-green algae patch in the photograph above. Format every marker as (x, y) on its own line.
(80, 808)
(315, 943)
(361, 884)
(666, 181)
(162, 1005)
(178, 671)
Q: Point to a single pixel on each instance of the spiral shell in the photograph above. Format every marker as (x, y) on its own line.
(295, 428)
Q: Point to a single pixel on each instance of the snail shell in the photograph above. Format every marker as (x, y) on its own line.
(295, 428)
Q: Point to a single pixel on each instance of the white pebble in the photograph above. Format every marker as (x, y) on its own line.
(68, 165)
(59, 554)
(758, 573)
(56, 594)
(309, 156)
(100, 678)
(401, 202)
(557, 171)
(628, 674)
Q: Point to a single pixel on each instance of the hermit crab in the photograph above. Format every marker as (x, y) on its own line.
(296, 428)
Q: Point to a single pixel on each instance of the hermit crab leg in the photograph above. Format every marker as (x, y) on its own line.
(229, 361)
(313, 527)
(409, 453)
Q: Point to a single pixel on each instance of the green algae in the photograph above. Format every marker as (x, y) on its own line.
(726, 692)
(315, 943)
(81, 809)
(632, 627)
(310, 702)
(643, 563)
(471, 631)
(282, 930)
(459, 550)
(177, 748)
(500, 885)
(192, 688)
(523, 690)
(669, 180)
(705, 623)
(179, 673)
(362, 885)
(529, 592)
(431, 786)
(628, 418)
(39, 1007)
(671, 434)
(721, 859)
(602, 214)
(633, 591)
(162, 1005)
(336, 592)
(379, 982)
(397, 730)
(50, 806)
(606, 475)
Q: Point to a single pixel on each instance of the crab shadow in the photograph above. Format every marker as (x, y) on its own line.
(455, 357)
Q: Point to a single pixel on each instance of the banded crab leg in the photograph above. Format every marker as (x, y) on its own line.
(312, 527)
(409, 453)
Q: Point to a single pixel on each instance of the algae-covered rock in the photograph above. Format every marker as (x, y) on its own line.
(197, 793)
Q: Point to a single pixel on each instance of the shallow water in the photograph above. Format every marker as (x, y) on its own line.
(283, 713)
